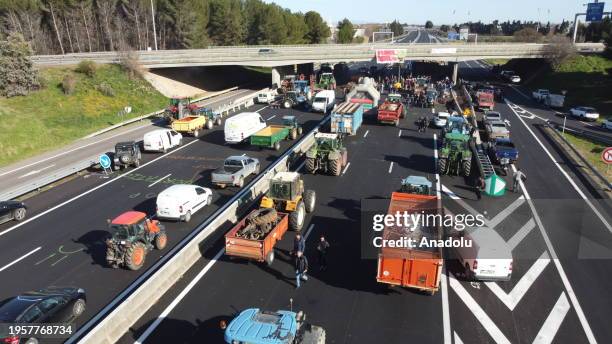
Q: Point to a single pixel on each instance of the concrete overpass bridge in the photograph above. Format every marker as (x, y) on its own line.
(287, 55)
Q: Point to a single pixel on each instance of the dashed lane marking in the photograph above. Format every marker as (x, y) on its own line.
(366, 134)
(160, 179)
(399, 134)
(391, 167)
(270, 118)
(19, 259)
(31, 173)
(346, 168)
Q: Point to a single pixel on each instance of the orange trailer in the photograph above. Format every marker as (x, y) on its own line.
(418, 267)
(259, 250)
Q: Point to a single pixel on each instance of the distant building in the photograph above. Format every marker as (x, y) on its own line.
(359, 33)
(464, 32)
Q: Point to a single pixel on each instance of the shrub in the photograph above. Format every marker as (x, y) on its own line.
(130, 63)
(69, 84)
(17, 73)
(87, 67)
(106, 89)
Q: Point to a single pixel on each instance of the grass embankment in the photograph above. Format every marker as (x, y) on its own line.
(592, 152)
(48, 118)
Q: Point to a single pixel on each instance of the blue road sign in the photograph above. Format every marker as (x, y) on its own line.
(105, 161)
(595, 11)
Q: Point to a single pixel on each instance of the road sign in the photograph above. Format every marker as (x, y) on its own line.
(495, 186)
(105, 161)
(595, 11)
(606, 155)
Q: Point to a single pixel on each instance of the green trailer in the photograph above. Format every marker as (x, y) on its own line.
(272, 135)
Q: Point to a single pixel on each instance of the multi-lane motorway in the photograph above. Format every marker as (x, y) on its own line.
(419, 36)
(560, 237)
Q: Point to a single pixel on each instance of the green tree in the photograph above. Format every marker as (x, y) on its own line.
(396, 28)
(345, 31)
(17, 74)
(318, 31)
(225, 26)
(296, 28)
(428, 24)
(444, 28)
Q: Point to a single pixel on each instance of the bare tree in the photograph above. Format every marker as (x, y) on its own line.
(560, 49)
(57, 32)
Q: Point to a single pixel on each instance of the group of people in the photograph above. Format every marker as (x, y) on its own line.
(517, 177)
(422, 124)
(301, 262)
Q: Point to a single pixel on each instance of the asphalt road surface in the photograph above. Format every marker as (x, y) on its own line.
(562, 300)
(419, 36)
(62, 241)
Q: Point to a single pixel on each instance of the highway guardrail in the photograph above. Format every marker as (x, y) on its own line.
(111, 323)
(49, 178)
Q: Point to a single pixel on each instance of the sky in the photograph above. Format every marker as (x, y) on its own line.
(439, 11)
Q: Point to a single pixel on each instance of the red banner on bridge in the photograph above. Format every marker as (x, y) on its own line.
(387, 56)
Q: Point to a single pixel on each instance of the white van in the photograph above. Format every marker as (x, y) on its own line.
(265, 97)
(489, 257)
(179, 202)
(240, 127)
(161, 140)
(324, 101)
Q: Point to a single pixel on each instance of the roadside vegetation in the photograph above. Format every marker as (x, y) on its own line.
(71, 103)
(592, 152)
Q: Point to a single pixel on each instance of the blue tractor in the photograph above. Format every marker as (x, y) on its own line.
(255, 326)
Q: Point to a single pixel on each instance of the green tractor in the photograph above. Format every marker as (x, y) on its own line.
(326, 82)
(212, 118)
(455, 156)
(179, 108)
(418, 185)
(327, 154)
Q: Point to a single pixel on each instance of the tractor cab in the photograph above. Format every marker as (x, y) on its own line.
(327, 141)
(286, 194)
(178, 108)
(416, 185)
(290, 121)
(457, 125)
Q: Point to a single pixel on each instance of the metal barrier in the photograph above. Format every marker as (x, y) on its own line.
(587, 134)
(122, 312)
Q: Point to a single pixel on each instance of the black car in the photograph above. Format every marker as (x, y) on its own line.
(49, 305)
(126, 154)
(12, 210)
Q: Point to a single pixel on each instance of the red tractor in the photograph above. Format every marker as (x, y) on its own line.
(179, 108)
(133, 235)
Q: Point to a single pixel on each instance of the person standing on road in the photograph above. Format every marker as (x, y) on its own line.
(299, 244)
(322, 248)
(518, 176)
(301, 267)
(480, 186)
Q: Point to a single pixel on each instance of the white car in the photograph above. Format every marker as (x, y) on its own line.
(585, 112)
(492, 116)
(160, 140)
(441, 119)
(179, 202)
(607, 124)
(511, 76)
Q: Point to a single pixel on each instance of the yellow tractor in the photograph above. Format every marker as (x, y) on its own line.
(286, 194)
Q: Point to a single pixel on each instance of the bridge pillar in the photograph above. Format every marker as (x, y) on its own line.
(276, 78)
(455, 66)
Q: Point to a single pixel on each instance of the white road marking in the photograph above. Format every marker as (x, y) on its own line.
(346, 168)
(519, 110)
(35, 171)
(457, 339)
(160, 179)
(179, 298)
(521, 234)
(569, 179)
(443, 281)
(265, 107)
(271, 118)
(91, 190)
(19, 259)
(399, 134)
(308, 231)
(486, 322)
(520, 289)
(462, 203)
(300, 167)
(568, 287)
(366, 134)
(553, 321)
(391, 167)
(504, 213)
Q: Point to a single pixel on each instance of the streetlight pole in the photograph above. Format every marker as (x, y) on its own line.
(154, 30)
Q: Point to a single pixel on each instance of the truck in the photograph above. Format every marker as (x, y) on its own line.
(392, 110)
(190, 125)
(234, 171)
(418, 266)
(255, 236)
(540, 94)
(503, 152)
(485, 100)
(346, 118)
(554, 100)
(273, 134)
(256, 326)
(497, 130)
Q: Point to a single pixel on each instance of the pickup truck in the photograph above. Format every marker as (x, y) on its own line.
(503, 152)
(497, 130)
(540, 94)
(234, 171)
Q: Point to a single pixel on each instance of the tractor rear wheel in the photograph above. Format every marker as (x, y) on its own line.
(110, 258)
(335, 167)
(135, 256)
(287, 104)
(263, 216)
(310, 200)
(467, 167)
(293, 134)
(310, 165)
(442, 166)
(296, 218)
(209, 124)
(161, 240)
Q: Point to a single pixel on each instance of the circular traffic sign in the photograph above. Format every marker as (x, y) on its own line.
(105, 161)
(606, 155)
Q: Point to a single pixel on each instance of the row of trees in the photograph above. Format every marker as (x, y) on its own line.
(508, 28)
(65, 26)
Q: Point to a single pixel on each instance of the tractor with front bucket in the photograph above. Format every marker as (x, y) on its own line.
(455, 156)
(133, 236)
(287, 194)
(327, 154)
(179, 108)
